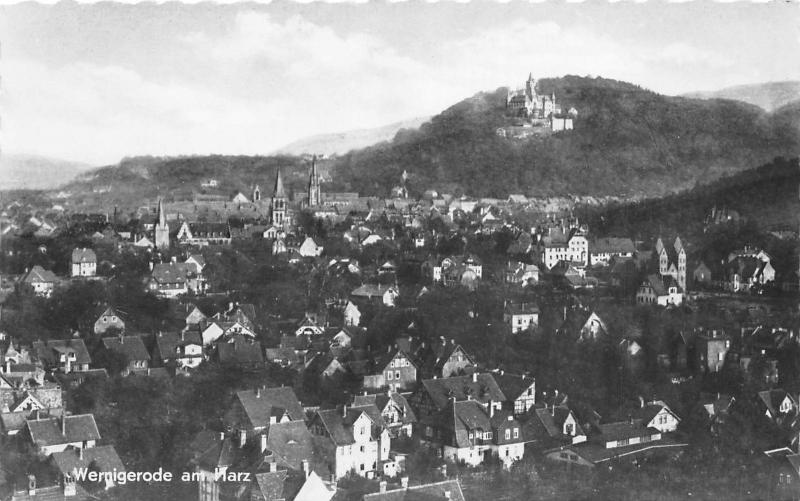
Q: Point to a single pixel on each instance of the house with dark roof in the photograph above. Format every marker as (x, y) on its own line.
(583, 324)
(777, 404)
(469, 431)
(42, 281)
(204, 233)
(655, 414)
(240, 352)
(519, 391)
(554, 425)
(63, 355)
(253, 411)
(290, 486)
(352, 439)
(169, 279)
(603, 250)
(397, 414)
(395, 370)
(84, 263)
(54, 434)
(102, 459)
(130, 347)
(108, 318)
(662, 290)
(377, 294)
(184, 349)
(444, 359)
(520, 316)
(66, 489)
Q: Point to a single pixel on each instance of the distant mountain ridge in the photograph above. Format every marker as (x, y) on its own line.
(770, 96)
(37, 172)
(341, 142)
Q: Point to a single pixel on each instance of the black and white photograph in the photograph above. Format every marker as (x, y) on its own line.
(399, 250)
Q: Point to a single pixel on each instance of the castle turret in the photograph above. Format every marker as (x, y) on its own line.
(162, 228)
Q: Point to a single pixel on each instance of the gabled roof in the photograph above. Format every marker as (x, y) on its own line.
(258, 404)
(290, 443)
(169, 342)
(170, 272)
(83, 256)
(46, 352)
(340, 426)
(78, 428)
(101, 458)
(483, 388)
(37, 274)
(513, 386)
(772, 399)
(612, 245)
(131, 347)
(240, 351)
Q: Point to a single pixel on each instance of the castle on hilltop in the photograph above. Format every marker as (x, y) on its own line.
(534, 114)
(528, 102)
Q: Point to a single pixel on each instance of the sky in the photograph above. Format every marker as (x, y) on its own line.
(97, 82)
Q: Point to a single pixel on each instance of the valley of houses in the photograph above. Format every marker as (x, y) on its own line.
(414, 393)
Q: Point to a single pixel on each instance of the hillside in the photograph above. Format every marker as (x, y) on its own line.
(767, 197)
(627, 141)
(769, 96)
(35, 172)
(342, 142)
(138, 181)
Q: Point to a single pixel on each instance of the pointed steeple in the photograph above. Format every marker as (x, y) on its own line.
(162, 217)
(278, 192)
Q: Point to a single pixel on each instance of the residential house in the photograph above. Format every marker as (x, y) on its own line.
(521, 274)
(458, 270)
(710, 350)
(521, 316)
(554, 425)
(395, 370)
(662, 290)
(240, 352)
(53, 434)
(84, 263)
(397, 414)
(62, 355)
(583, 324)
(655, 414)
(310, 248)
(290, 486)
(776, 404)
(132, 349)
(352, 315)
(572, 247)
(519, 391)
(184, 349)
(169, 279)
(102, 459)
(352, 439)
(66, 489)
(702, 274)
(108, 319)
(42, 281)
(253, 411)
(309, 327)
(603, 250)
(204, 233)
(386, 295)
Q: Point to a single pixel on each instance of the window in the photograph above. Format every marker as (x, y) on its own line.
(487, 435)
(390, 375)
(516, 432)
(471, 436)
(508, 434)
(397, 375)
(720, 356)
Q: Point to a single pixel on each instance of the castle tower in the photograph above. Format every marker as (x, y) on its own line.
(404, 184)
(277, 215)
(314, 194)
(162, 228)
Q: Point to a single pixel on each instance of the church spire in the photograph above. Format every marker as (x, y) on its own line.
(278, 191)
(314, 192)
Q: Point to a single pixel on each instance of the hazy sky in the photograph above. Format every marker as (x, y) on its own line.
(98, 82)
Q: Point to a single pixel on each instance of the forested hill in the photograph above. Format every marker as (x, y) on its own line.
(767, 198)
(627, 141)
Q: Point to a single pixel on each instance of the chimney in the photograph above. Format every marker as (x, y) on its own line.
(263, 442)
(31, 485)
(8, 366)
(382, 486)
(491, 408)
(404, 482)
(242, 438)
(80, 453)
(344, 410)
(306, 467)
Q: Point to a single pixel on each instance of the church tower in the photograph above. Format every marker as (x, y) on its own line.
(314, 194)
(277, 214)
(256, 194)
(162, 228)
